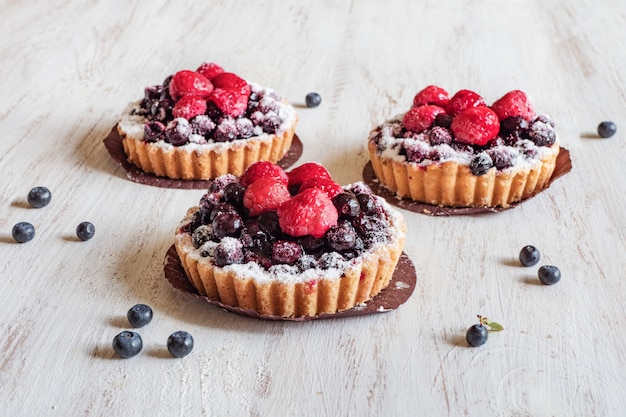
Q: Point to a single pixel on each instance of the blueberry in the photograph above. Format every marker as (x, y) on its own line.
(549, 274)
(607, 129)
(39, 197)
(367, 203)
(476, 335)
(153, 131)
(443, 120)
(286, 252)
(178, 131)
(23, 232)
(341, 237)
(180, 344)
(139, 315)
(233, 194)
(227, 224)
(127, 344)
(481, 164)
(229, 251)
(85, 231)
(347, 205)
(439, 136)
(313, 100)
(529, 255)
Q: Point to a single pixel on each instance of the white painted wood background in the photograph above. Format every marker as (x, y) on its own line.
(67, 70)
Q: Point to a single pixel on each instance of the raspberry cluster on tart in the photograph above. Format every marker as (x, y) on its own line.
(289, 244)
(198, 125)
(458, 152)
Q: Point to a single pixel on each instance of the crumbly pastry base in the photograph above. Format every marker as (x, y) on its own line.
(454, 185)
(204, 164)
(358, 284)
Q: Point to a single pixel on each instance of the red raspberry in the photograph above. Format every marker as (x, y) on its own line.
(462, 100)
(299, 175)
(263, 169)
(514, 103)
(230, 102)
(230, 81)
(476, 125)
(310, 212)
(209, 70)
(190, 83)
(329, 186)
(265, 194)
(419, 119)
(189, 107)
(431, 95)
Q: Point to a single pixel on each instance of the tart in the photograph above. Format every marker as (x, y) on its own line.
(458, 152)
(292, 244)
(198, 125)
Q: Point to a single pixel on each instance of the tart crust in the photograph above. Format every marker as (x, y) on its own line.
(366, 276)
(453, 184)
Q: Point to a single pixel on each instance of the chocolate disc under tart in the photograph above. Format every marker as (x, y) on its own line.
(398, 291)
(113, 143)
(562, 167)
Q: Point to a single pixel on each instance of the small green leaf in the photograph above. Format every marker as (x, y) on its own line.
(496, 327)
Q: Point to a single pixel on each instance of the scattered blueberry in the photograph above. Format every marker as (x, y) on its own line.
(180, 344)
(85, 231)
(529, 255)
(476, 335)
(549, 274)
(127, 344)
(607, 129)
(39, 197)
(23, 232)
(139, 315)
(313, 100)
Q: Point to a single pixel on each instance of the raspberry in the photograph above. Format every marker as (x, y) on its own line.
(299, 175)
(189, 107)
(209, 70)
(514, 103)
(265, 194)
(230, 102)
(310, 212)
(190, 83)
(476, 125)
(419, 119)
(431, 95)
(230, 81)
(329, 186)
(263, 169)
(462, 100)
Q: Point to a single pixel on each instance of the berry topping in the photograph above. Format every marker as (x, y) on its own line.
(153, 131)
(299, 175)
(367, 203)
(329, 186)
(549, 274)
(85, 231)
(189, 107)
(502, 157)
(190, 83)
(341, 237)
(607, 129)
(180, 344)
(229, 251)
(431, 95)
(514, 103)
(286, 252)
(347, 205)
(230, 102)
(227, 224)
(233, 194)
(202, 125)
(480, 164)
(439, 136)
(265, 194)
(127, 344)
(226, 131)
(39, 197)
(313, 100)
(178, 131)
(476, 125)
(541, 133)
(419, 119)
(263, 169)
(230, 81)
(209, 70)
(310, 212)
(512, 125)
(23, 232)
(463, 99)
(139, 315)
(529, 255)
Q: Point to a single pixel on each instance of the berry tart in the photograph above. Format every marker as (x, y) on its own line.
(289, 244)
(201, 124)
(458, 152)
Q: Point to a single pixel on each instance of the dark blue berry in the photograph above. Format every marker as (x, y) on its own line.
(285, 252)
(180, 344)
(39, 197)
(341, 237)
(139, 315)
(347, 205)
(23, 232)
(501, 157)
(439, 136)
(549, 274)
(177, 132)
(476, 335)
(227, 224)
(226, 131)
(607, 129)
(127, 344)
(367, 203)
(153, 92)
(511, 125)
(202, 125)
(245, 127)
(541, 133)
(85, 231)
(481, 164)
(443, 120)
(153, 131)
(529, 255)
(271, 123)
(233, 194)
(311, 244)
(228, 251)
(313, 100)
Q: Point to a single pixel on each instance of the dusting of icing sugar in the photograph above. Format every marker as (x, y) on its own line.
(402, 285)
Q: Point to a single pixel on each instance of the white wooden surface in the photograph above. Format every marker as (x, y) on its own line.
(68, 69)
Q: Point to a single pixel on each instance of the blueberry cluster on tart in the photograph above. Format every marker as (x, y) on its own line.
(458, 152)
(201, 124)
(289, 244)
